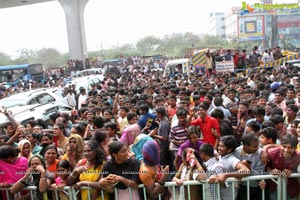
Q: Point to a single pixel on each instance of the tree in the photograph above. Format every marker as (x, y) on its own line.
(49, 57)
(5, 59)
(148, 44)
(213, 42)
(26, 56)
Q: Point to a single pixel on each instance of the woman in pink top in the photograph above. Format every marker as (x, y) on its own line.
(12, 167)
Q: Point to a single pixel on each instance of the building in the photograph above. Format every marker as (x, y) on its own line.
(270, 24)
(217, 24)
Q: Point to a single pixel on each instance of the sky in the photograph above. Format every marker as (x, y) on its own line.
(107, 23)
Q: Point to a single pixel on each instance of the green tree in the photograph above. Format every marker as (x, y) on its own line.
(213, 42)
(48, 57)
(148, 44)
(5, 59)
(26, 56)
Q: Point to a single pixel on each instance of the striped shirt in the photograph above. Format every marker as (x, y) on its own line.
(177, 133)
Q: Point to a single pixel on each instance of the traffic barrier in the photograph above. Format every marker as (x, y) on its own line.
(280, 181)
(275, 63)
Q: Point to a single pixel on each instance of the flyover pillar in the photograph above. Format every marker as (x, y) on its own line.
(74, 12)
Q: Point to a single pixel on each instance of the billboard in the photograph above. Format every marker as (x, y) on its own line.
(251, 27)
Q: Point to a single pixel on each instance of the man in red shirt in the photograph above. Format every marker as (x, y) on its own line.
(172, 108)
(236, 58)
(283, 161)
(209, 126)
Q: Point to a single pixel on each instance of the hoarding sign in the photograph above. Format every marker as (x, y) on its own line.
(226, 66)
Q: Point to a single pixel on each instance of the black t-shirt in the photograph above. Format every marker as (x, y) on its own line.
(226, 128)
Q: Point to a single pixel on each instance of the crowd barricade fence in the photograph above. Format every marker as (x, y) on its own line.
(173, 188)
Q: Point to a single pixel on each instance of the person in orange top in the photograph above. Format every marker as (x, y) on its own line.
(152, 175)
(51, 156)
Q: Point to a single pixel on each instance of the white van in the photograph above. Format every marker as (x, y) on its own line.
(178, 67)
(87, 72)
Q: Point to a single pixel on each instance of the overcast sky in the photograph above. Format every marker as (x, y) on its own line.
(110, 23)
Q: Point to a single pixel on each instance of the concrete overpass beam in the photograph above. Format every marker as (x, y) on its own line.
(74, 12)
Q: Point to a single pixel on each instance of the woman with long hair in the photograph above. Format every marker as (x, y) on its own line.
(74, 150)
(36, 175)
(102, 138)
(88, 170)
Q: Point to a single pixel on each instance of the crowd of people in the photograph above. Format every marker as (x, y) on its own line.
(141, 128)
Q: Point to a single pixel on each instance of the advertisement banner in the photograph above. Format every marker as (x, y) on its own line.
(225, 66)
(250, 26)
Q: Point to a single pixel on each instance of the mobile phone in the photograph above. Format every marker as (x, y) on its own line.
(150, 120)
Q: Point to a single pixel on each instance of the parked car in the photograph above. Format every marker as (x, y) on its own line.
(87, 72)
(86, 82)
(295, 63)
(37, 96)
(23, 114)
(155, 69)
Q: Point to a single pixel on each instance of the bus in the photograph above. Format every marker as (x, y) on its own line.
(13, 74)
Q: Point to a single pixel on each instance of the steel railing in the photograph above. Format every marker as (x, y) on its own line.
(173, 188)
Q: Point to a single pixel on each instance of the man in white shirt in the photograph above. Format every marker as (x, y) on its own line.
(82, 97)
(233, 167)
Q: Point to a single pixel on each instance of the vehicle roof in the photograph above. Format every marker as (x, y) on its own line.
(88, 70)
(22, 66)
(25, 94)
(112, 60)
(82, 81)
(178, 61)
(22, 113)
(83, 78)
(20, 108)
(6, 67)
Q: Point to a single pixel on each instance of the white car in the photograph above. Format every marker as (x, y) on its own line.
(86, 82)
(293, 62)
(155, 69)
(87, 72)
(26, 113)
(37, 96)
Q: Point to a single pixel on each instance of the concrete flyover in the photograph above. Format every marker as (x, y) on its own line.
(74, 12)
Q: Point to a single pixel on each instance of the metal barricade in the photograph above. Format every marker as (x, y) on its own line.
(173, 188)
(32, 189)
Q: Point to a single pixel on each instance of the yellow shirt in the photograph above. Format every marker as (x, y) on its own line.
(93, 175)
